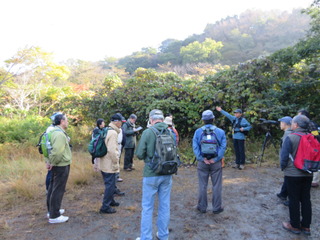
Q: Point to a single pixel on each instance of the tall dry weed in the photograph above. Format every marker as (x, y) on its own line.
(23, 172)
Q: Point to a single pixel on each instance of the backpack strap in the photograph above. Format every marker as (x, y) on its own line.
(213, 128)
(300, 134)
(155, 131)
(235, 123)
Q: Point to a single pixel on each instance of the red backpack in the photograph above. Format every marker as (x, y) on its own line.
(308, 153)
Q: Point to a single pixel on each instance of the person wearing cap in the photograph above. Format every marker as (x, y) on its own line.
(49, 129)
(130, 132)
(285, 125)
(209, 166)
(96, 161)
(173, 130)
(240, 126)
(48, 167)
(153, 184)
(313, 128)
(109, 165)
(298, 181)
(60, 159)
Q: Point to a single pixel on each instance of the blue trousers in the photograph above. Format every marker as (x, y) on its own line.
(110, 185)
(152, 186)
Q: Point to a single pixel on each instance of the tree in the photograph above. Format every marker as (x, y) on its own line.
(31, 72)
(208, 51)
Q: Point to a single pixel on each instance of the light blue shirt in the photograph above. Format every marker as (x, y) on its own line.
(222, 143)
(244, 124)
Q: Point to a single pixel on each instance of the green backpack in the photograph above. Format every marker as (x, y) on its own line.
(97, 146)
(165, 160)
(44, 144)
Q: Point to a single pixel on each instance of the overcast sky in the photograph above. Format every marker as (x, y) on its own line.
(94, 29)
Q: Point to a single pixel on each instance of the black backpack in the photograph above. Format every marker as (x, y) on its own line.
(237, 124)
(165, 160)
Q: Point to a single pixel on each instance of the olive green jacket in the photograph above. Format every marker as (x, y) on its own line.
(61, 153)
(146, 148)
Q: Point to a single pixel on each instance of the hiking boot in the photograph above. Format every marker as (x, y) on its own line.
(306, 231)
(202, 211)
(119, 180)
(108, 211)
(220, 210)
(287, 226)
(115, 204)
(314, 184)
(127, 169)
(241, 167)
(118, 192)
(281, 197)
(61, 212)
(60, 219)
(286, 203)
(235, 165)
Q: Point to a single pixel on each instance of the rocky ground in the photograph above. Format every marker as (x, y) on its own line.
(252, 210)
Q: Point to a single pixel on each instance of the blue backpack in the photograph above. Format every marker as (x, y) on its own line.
(209, 143)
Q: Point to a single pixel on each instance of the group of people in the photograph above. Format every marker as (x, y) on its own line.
(297, 183)
(122, 133)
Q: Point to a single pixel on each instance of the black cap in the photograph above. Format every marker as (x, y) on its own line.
(116, 117)
(122, 117)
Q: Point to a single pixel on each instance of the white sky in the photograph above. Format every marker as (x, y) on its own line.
(94, 29)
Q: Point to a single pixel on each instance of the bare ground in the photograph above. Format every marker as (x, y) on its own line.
(252, 210)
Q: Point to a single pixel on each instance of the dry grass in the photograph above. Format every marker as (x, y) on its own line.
(22, 174)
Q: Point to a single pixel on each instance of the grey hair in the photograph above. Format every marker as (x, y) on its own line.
(157, 117)
(302, 121)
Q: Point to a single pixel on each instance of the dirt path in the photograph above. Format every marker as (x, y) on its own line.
(252, 210)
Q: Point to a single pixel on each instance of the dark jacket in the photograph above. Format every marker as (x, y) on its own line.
(146, 148)
(130, 135)
(290, 147)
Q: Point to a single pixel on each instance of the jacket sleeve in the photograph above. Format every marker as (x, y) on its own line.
(229, 116)
(58, 143)
(126, 131)
(141, 151)
(196, 145)
(245, 124)
(112, 146)
(222, 145)
(285, 153)
(146, 146)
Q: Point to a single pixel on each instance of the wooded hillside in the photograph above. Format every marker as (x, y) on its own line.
(271, 86)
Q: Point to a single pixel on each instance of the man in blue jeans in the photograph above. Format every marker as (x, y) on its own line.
(153, 183)
(240, 126)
